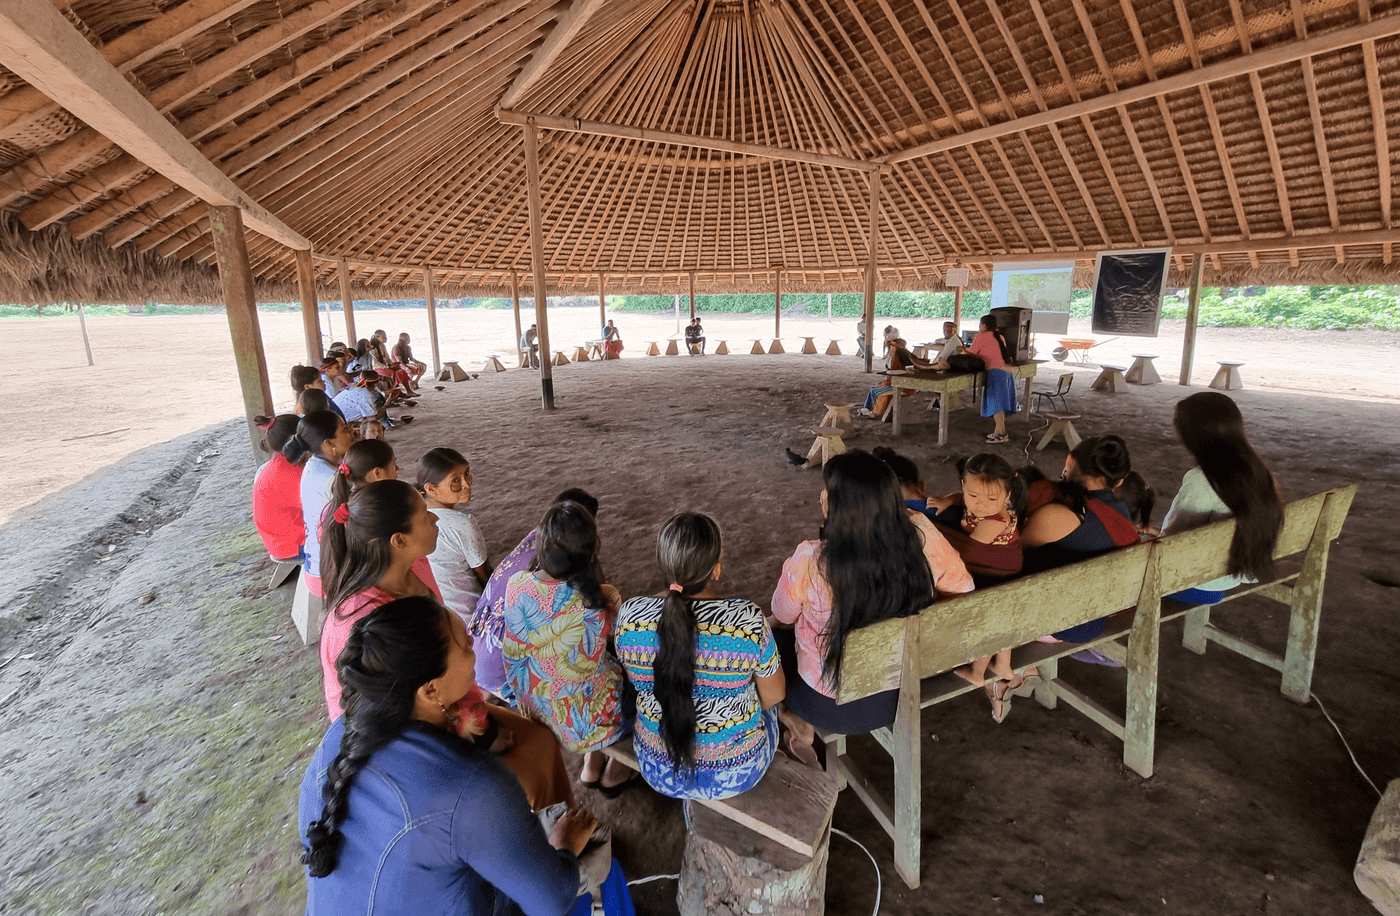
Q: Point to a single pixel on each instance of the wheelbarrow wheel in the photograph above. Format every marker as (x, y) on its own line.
(1060, 354)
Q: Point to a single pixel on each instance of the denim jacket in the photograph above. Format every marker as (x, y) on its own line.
(434, 825)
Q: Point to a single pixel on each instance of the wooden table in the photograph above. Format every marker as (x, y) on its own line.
(949, 383)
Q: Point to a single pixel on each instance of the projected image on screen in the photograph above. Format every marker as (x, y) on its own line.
(1043, 287)
(1128, 288)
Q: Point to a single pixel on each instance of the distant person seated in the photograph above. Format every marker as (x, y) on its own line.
(612, 341)
(360, 357)
(404, 354)
(357, 401)
(314, 399)
(897, 356)
(333, 378)
(277, 492)
(860, 339)
(950, 344)
(695, 338)
(386, 365)
(529, 348)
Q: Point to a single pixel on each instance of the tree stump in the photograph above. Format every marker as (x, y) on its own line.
(717, 881)
(1377, 872)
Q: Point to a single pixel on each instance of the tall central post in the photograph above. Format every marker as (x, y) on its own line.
(777, 302)
(241, 306)
(532, 180)
(602, 306)
(870, 268)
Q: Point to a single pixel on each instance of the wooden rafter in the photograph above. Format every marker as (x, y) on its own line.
(565, 28)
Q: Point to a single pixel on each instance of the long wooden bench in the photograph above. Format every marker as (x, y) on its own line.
(917, 655)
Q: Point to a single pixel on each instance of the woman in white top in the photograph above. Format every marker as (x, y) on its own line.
(1229, 480)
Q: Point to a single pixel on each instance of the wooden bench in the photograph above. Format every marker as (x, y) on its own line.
(1227, 377)
(1110, 379)
(767, 846)
(917, 655)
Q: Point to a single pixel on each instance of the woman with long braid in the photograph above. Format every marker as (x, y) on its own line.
(398, 814)
(706, 671)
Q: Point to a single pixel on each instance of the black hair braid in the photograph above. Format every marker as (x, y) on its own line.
(674, 672)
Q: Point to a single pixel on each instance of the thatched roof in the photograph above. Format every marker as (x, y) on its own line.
(1038, 128)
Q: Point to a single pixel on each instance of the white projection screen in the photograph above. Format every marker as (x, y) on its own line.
(1044, 287)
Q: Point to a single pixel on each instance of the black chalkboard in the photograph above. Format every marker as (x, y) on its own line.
(1128, 292)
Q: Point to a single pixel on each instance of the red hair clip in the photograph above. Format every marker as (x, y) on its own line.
(342, 512)
(268, 424)
(344, 469)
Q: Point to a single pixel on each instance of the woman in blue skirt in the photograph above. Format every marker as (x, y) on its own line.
(1000, 397)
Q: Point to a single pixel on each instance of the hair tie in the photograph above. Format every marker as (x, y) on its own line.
(342, 512)
(344, 469)
(676, 587)
(268, 424)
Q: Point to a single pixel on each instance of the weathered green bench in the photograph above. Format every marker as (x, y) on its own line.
(917, 655)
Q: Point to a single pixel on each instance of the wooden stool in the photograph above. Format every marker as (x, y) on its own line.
(308, 614)
(827, 444)
(833, 348)
(1142, 372)
(722, 349)
(777, 346)
(560, 359)
(672, 349)
(807, 345)
(1060, 424)
(492, 362)
(1227, 377)
(282, 570)
(1110, 379)
(838, 415)
(580, 354)
(451, 372)
(653, 349)
(1377, 872)
(757, 348)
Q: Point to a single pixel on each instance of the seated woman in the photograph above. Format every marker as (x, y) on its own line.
(706, 672)
(897, 356)
(375, 551)
(386, 365)
(487, 625)
(403, 354)
(320, 441)
(612, 341)
(874, 561)
(277, 492)
(401, 815)
(1080, 518)
(314, 399)
(559, 618)
(1229, 479)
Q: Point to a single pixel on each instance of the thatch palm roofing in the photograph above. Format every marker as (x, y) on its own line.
(388, 133)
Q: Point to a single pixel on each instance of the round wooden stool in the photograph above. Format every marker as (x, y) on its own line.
(1060, 425)
(777, 346)
(833, 348)
(838, 415)
(653, 349)
(722, 349)
(1227, 377)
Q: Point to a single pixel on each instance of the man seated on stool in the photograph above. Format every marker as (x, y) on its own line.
(529, 350)
(695, 338)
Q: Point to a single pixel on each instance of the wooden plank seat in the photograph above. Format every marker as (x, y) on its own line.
(1110, 379)
(1132, 587)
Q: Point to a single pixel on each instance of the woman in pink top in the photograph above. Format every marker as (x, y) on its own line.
(1000, 396)
(875, 561)
(277, 491)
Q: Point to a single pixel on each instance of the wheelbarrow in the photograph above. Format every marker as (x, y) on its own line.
(1078, 346)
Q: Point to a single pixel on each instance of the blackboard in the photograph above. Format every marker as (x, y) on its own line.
(1128, 288)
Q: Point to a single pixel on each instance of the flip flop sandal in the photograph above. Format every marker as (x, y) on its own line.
(1000, 696)
(995, 437)
(611, 792)
(804, 754)
(1029, 680)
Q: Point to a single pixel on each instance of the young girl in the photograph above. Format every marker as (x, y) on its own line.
(370, 428)
(459, 563)
(324, 437)
(364, 463)
(1000, 396)
(559, 616)
(277, 491)
(706, 671)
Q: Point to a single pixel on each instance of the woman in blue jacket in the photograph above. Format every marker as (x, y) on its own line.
(401, 816)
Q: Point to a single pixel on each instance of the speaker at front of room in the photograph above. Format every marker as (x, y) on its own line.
(1015, 325)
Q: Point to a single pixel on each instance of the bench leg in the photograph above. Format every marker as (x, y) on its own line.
(1045, 690)
(1306, 608)
(835, 750)
(908, 802)
(1193, 636)
(1144, 642)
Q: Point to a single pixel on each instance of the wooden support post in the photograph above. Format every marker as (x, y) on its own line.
(236, 278)
(957, 308)
(430, 295)
(515, 304)
(828, 308)
(777, 303)
(347, 304)
(871, 266)
(690, 275)
(1193, 312)
(676, 307)
(1140, 716)
(602, 306)
(310, 318)
(82, 323)
(330, 327)
(908, 760)
(532, 180)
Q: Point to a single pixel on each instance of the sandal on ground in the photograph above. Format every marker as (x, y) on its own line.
(803, 753)
(592, 783)
(1024, 684)
(611, 792)
(998, 437)
(1000, 695)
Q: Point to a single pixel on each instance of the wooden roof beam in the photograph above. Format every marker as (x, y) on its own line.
(1278, 55)
(45, 50)
(646, 135)
(565, 28)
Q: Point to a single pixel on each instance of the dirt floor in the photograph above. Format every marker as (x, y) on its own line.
(157, 711)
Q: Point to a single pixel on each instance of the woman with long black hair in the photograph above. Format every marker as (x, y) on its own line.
(874, 561)
(1229, 480)
(706, 671)
(320, 441)
(1000, 397)
(398, 814)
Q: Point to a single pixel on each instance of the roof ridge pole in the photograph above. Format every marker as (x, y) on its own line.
(1193, 311)
(431, 298)
(532, 181)
(310, 316)
(347, 304)
(871, 266)
(241, 306)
